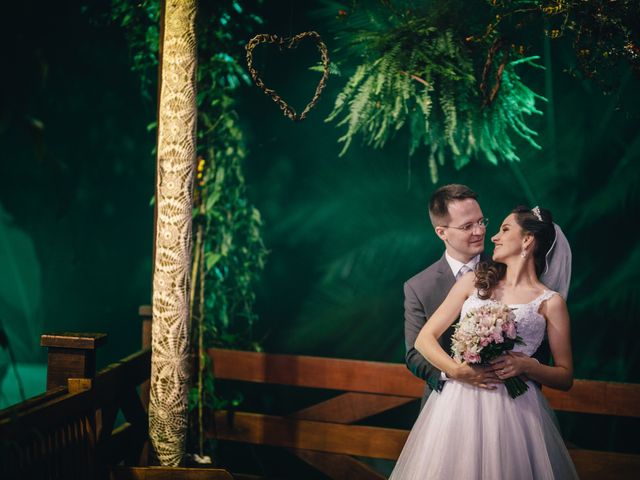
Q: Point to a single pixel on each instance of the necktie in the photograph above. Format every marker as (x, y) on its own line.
(464, 269)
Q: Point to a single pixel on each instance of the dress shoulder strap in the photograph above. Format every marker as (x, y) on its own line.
(542, 298)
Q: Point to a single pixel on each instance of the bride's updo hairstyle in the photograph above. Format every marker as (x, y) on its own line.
(540, 225)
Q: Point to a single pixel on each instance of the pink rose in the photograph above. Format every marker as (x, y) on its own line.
(471, 357)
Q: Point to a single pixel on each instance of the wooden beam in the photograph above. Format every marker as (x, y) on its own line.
(338, 467)
(169, 473)
(316, 372)
(350, 407)
(77, 385)
(374, 442)
(594, 465)
(346, 408)
(46, 414)
(73, 340)
(590, 396)
(133, 410)
(129, 372)
(586, 396)
(46, 410)
(8, 414)
(146, 317)
(145, 311)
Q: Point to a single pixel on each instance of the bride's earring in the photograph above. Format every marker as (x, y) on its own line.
(524, 253)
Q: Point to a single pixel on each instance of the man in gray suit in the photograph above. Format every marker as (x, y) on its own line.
(458, 221)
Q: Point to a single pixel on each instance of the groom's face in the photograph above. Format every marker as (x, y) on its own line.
(466, 241)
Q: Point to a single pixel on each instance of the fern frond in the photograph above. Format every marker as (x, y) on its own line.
(411, 66)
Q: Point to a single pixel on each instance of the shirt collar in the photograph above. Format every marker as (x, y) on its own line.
(457, 265)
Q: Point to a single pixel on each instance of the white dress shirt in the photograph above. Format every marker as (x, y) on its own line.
(456, 265)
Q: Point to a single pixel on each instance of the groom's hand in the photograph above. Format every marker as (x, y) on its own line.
(478, 376)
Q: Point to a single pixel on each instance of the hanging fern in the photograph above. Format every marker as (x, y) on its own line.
(413, 73)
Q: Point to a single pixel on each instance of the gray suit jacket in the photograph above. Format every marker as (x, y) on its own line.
(423, 294)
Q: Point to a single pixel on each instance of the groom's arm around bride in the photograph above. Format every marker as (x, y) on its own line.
(458, 221)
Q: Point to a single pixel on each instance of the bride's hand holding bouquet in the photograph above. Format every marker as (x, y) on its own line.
(483, 335)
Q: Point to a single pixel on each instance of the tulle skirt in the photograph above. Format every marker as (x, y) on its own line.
(465, 432)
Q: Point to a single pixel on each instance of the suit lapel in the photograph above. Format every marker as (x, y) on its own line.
(445, 277)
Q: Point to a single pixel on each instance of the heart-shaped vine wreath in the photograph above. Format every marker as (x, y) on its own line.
(290, 42)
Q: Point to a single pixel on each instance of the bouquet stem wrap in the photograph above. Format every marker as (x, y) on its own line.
(515, 386)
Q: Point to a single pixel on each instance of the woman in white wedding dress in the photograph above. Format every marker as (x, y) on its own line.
(466, 432)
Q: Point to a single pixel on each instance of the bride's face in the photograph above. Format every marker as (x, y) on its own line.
(509, 241)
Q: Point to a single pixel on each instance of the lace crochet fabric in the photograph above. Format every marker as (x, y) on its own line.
(176, 159)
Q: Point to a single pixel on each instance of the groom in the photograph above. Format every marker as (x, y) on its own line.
(458, 221)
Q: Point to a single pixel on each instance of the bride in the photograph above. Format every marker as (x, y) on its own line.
(466, 432)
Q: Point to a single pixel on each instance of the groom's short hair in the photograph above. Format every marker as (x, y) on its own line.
(442, 197)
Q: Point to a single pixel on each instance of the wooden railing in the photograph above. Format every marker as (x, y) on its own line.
(324, 436)
(70, 431)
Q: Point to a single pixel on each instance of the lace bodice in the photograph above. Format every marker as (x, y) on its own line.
(529, 323)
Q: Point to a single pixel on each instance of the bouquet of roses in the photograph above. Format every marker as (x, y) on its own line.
(483, 334)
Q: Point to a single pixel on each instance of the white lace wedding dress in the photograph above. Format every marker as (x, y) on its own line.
(465, 432)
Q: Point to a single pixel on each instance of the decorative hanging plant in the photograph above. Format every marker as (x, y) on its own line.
(289, 42)
(459, 97)
(603, 34)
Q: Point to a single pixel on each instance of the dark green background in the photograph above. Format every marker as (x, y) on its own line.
(76, 228)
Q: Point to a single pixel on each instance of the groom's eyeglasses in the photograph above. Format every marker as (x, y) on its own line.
(468, 227)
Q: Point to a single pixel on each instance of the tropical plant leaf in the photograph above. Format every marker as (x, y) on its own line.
(20, 290)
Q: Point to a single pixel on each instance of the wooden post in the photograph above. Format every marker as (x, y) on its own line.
(144, 311)
(146, 316)
(71, 355)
